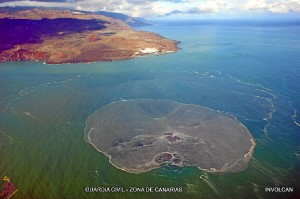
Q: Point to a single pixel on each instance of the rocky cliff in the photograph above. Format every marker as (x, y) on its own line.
(63, 36)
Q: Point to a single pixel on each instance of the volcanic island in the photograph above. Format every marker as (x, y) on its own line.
(143, 134)
(66, 36)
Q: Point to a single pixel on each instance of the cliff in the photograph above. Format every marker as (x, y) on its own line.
(64, 36)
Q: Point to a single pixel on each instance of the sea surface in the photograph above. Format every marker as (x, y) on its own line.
(250, 70)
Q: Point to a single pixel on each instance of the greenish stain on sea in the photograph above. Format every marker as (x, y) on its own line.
(43, 108)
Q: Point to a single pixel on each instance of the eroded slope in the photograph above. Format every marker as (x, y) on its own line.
(61, 36)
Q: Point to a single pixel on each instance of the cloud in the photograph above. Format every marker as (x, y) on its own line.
(282, 6)
(156, 8)
(49, 1)
(213, 6)
(286, 6)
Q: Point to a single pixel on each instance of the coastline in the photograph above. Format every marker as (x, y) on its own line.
(96, 61)
(72, 38)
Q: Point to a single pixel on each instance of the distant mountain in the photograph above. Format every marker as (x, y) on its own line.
(15, 9)
(131, 21)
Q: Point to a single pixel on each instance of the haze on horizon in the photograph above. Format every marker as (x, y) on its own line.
(178, 9)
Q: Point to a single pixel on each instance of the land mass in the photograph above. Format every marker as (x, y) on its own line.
(64, 36)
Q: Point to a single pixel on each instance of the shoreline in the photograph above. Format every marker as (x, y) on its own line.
(96, 61)
(84, 38)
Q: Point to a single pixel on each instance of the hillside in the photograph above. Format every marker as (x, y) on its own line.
(131, 21)
(64, 36)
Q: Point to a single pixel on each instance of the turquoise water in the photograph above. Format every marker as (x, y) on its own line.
(250, 71)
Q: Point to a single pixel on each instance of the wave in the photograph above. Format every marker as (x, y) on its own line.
(7, 101)
(206, 179)
(264, 171)
(5, 139)
(294, 114)
(260, 94)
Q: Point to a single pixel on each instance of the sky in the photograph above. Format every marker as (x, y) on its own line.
(174, 9)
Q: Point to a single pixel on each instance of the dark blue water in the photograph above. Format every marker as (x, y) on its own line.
(250, 70)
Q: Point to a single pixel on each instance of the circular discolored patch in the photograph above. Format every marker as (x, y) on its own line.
(140, 135)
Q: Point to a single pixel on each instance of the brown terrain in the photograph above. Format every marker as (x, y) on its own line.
(62, 36)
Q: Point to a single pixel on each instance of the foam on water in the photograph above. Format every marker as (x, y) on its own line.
(294, 116)
(12, 98)
(252, 80)
(210, 183)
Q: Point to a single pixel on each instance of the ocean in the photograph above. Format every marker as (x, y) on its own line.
(249, 70)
